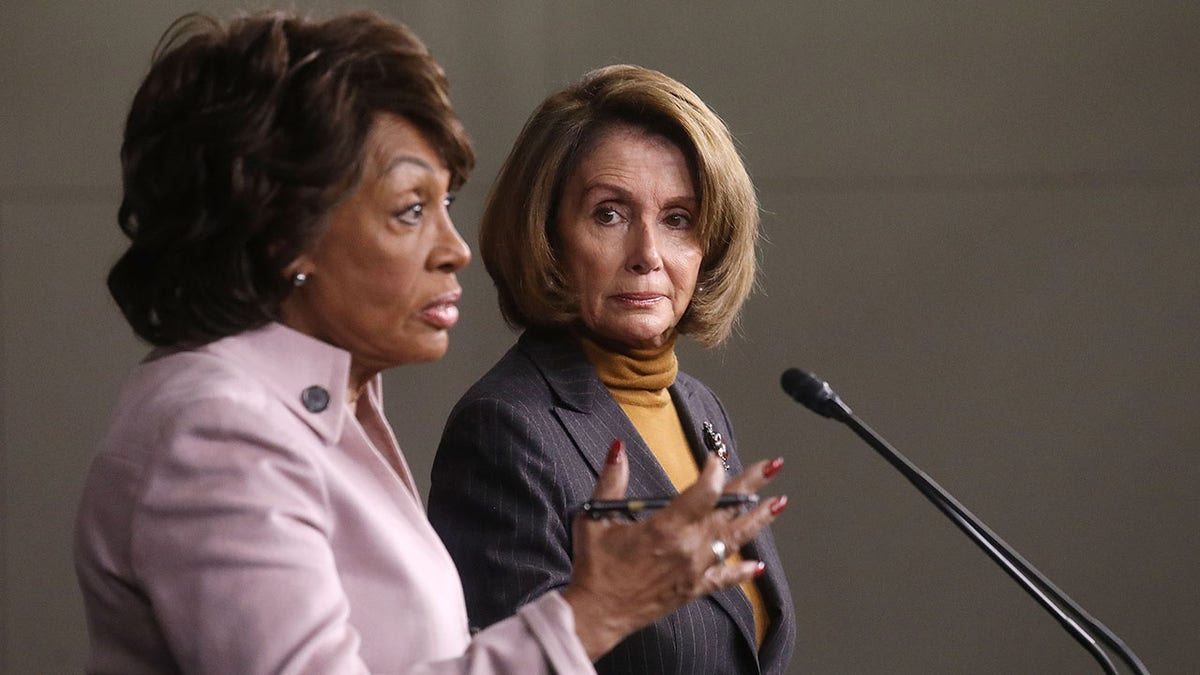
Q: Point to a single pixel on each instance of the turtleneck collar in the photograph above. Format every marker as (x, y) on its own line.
(650, 369)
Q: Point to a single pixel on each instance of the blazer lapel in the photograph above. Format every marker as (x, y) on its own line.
(772, 585)
(775, 594)
(590, 415)
(693, 414)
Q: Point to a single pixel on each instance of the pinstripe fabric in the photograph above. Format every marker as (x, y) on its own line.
(522, 447)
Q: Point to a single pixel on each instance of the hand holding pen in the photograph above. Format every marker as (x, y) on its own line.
(628, 573)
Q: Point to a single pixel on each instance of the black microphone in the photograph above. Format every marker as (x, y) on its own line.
(818, 396)
(815, 394)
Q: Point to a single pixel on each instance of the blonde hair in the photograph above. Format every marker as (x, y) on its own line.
(517, 238)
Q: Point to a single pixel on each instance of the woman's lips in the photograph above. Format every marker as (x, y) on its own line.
(442, 312)
(639, 299)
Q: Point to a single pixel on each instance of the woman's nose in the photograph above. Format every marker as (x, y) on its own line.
(451, 253)
(643, 255)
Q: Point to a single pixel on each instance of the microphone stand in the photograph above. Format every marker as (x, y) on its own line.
(820, 398)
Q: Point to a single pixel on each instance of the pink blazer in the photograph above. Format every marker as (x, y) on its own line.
(239, 519)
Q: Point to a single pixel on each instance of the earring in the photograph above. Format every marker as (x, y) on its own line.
(299, 279)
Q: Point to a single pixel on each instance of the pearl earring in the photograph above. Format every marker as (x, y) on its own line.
(299, 279)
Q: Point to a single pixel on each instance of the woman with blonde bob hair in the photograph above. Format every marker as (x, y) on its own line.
(516, 242)
(622, 218)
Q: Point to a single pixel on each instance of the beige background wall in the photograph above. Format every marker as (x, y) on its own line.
(982, 227)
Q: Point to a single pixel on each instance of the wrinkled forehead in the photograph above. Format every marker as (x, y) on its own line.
(617, 130)
(396, 144)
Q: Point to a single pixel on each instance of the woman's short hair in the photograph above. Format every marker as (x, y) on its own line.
(239, 142)
(517, 238)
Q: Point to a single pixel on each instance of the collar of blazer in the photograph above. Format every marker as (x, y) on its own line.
(309, 376)
(563, 366)
(578, 389)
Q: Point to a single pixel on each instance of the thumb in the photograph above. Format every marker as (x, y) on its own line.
(614, 477)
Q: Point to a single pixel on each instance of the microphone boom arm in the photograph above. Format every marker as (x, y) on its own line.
(820, 398)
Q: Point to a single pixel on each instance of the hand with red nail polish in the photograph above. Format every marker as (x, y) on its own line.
(773, 467)
(627, 574)
(614, 452)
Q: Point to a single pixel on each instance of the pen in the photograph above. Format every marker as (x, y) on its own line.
(599, 507)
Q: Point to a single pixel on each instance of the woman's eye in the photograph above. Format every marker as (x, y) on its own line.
(607, 216)
(679, 221)
(411, 215)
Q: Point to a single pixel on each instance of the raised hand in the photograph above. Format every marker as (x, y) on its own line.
(628, 574)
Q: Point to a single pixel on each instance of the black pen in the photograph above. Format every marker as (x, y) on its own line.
(600, 507)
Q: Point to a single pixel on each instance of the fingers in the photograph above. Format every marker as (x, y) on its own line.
(697, 501)
(627, 573)
(734, 535)
(614, 477)
(755, 477)
(747, 526)
(724, 576)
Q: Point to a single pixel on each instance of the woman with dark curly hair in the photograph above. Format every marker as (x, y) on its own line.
(623, 218)
(286, 185)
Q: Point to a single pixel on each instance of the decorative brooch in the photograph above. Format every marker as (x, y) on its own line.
(716, 444)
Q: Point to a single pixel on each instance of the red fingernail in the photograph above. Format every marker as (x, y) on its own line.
(779, 505)
(614, 451)
(760, 568)
(773, 467)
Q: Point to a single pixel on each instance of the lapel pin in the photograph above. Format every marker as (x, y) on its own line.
(716, 444)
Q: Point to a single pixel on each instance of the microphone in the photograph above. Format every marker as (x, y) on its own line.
(818, 396)
(815, 394)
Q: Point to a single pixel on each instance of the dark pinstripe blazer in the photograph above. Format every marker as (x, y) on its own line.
(522, 447)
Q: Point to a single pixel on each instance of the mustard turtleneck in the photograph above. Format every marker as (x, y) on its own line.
(639, 379)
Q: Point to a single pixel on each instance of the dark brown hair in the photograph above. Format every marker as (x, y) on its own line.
(239, 141)
(517, 238)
